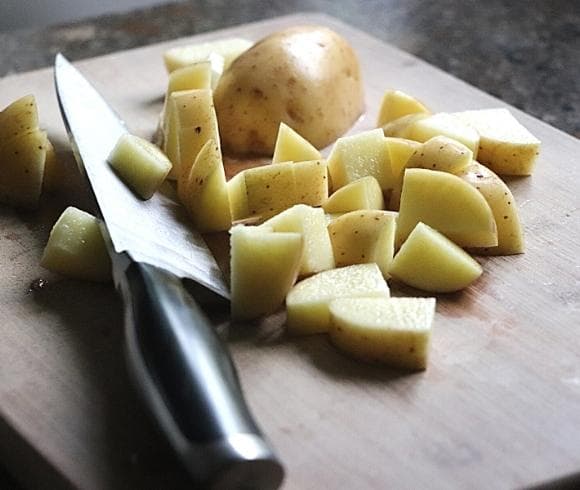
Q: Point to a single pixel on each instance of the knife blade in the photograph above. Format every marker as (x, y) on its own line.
(179, 363)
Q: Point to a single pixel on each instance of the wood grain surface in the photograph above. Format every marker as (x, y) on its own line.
(499, 405)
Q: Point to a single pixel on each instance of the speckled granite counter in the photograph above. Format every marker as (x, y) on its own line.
(523, 52)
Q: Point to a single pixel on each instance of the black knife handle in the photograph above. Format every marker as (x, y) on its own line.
(191, 384)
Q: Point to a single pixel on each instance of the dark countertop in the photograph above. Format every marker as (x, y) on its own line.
(524, 52)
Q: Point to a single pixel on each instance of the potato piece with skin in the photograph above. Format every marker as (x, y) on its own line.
(365, 236)
(505, 146)
(311, 182)
(364, 193)
(307, 303)
(510, 235)
(311, 223)
(403, 126)
(205, 194)
(181, 56)
(191, 123)
(444, 124)
(360, 155)
(396, 104)
(448, 204)
(22, 161)
(392, 331)
(140, 164)
(20, 117)
(264, 266)
(441, 153)
(238, 197)
(438, 153)
(291, 147)
(76, 247)
(271, 189)
(431, 262)
(307, 77)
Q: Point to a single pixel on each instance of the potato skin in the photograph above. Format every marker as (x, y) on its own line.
(307, 77)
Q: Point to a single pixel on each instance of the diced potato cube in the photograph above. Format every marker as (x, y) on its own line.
(206, 194)
(448, 204)
(191, 123)
(400, 150)
(140, 164)
(430, 261)
(310, 182)
(271, 189)
(364, 193)
(307, 303)
(505, 146)
(364, 236)
(76, 247)
(360, 155)
(291, 147)
(191, 77)
(238, 197)
(444, 124)
(396, 104)
(264, 266)
(311, 223)
(403, 126)
(181, 56)
(392, 331)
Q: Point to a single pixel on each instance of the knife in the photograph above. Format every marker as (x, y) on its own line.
(179, 363)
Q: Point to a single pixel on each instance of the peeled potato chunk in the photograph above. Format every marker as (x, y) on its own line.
(392, 331)
(181, 56)
(431, 262)
(140, 164)
(190, 77)
(505, 146)
(422, 127)
(360, 155)
(311, 224)
(264, 266)
(438, 153)
(291, 147)
(238, 197)
(403, 126)
(76, 247)
(307, 303)
(364, 236)
(205, 194)
(400, 150)
(396, 104)
(448, 204)
(364, 193)
(510, 235)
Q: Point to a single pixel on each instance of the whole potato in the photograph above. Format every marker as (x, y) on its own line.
(307, 77)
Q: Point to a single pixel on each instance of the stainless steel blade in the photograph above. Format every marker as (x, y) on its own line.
(151, 231)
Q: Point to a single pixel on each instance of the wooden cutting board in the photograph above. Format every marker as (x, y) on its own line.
(499, 405)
